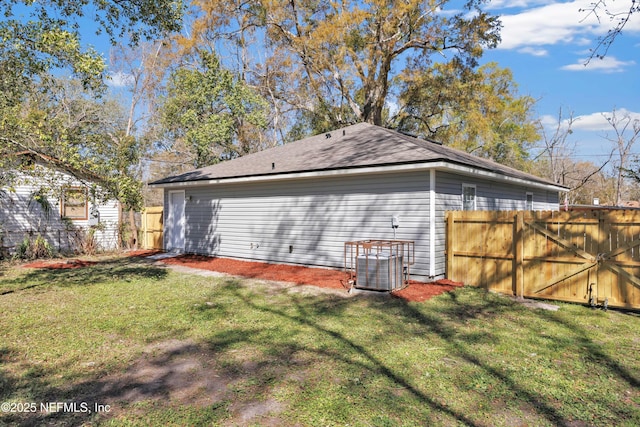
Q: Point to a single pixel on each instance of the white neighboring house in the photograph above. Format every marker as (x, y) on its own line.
(57, 204)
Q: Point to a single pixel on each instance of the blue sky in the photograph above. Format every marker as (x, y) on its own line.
(546, 45)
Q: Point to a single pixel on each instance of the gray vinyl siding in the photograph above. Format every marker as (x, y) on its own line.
(315, 217)
(490, 195)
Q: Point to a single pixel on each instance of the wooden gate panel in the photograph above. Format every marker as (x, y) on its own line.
(152, 228)
(556, 261)
(586, 256)
(619, 275)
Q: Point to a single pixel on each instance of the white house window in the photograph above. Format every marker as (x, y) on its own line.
(529, 205)
(468, 197)
(74, 204)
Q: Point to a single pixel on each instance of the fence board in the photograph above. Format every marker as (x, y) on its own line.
(590, 257)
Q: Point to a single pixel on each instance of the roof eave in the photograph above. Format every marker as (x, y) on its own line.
(405, 167)
(484, 173)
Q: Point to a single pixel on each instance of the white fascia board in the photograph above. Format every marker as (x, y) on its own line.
(440, 165)
(298, 175)
(471, 171)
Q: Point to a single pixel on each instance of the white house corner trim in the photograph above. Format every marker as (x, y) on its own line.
(432, 222)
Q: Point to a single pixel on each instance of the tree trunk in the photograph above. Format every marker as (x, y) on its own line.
(133, 240)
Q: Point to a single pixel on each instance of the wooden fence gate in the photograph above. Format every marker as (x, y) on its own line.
(152, 231)
(590, 257)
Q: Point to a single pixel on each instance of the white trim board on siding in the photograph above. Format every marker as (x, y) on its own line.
(442, 166)
(432, 222)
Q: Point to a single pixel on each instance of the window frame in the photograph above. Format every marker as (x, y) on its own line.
(465, 187)
(63, 203)
(528, 204)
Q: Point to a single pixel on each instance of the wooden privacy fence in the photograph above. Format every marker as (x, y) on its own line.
(590, 257)
(152, 228)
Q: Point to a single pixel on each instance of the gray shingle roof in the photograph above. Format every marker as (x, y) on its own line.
(356, 146)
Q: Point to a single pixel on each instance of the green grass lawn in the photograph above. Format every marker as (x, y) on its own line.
(157, 347)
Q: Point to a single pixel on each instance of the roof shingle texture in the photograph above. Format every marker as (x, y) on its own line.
(356, 146)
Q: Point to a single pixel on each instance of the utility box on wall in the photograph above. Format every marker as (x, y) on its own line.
(379, 264)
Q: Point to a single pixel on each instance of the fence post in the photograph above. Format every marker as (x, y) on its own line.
(148, 234)
(518, 255)
(449, 245)
(143, 220)
(603, 287)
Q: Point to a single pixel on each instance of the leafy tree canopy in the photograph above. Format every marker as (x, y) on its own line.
(75, 131)
(475, 110)
(342, 54)
(40, 40)
(212, 112)
(38, 37)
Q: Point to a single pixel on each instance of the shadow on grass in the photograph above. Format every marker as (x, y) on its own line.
(225, 371)
(367, 360)
(7, 384)
(444, 324)
(107, 270)
(575, 338)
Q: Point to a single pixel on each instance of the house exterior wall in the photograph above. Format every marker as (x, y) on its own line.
(490, 195)
(20, 217)
(307, 221)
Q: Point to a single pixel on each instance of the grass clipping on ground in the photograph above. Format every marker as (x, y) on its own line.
(139, 344)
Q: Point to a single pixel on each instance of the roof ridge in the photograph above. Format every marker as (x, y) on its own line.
(353, 146)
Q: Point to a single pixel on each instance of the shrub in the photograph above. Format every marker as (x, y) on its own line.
(85, 240)
(35, 248)
(87, 243)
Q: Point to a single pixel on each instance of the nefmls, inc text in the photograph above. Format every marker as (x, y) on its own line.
(73, 407)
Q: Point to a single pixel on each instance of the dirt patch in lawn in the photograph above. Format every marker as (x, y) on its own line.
(182, 372)
(172, 374)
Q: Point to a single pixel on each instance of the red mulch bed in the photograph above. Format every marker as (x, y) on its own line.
(321, 277)
(325, 278)
(419, 291)
(299, 275)
(59, 265)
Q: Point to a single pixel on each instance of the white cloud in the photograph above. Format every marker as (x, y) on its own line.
(550, 121)
(608, 64)
(119, 79)
(535, 51)
(521, 4)
(583, 41)
(599, 121)
(556, 23)
(594, 122)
